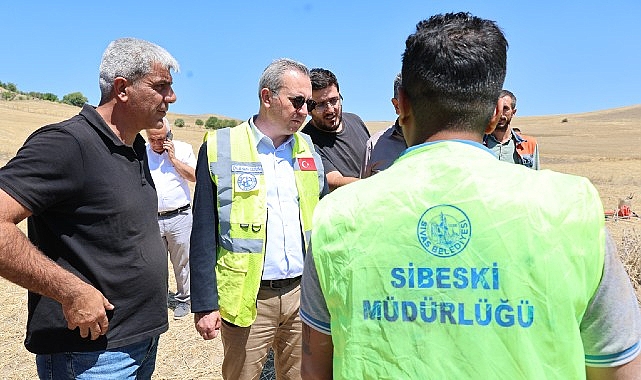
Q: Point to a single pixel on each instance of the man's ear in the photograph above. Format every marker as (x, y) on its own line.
(498, 111)
(266, 96)
(120, 88)
(395, 104)
(405, 116)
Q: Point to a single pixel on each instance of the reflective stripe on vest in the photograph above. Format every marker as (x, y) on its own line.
(236, 170)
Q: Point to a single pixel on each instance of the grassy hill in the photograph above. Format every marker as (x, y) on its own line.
(602, 146)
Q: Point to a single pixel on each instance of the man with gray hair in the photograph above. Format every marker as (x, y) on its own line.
(384, 146)
(95, 265)
(245, 266)
(173, 165)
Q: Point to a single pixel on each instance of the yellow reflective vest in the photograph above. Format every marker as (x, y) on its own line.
(465, 267)
(236, 171)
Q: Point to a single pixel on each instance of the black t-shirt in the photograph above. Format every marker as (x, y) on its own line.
(343, 151)
(95, 214)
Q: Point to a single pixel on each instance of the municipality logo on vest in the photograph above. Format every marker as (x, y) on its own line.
(246, 182)
(444, 230)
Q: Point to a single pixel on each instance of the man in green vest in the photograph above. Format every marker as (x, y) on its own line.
(256, 187)
(413, 274)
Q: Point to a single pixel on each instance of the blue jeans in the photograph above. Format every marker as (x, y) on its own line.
(136, 361)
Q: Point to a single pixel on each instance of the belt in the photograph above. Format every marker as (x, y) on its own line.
(277, 284)
(174, 212)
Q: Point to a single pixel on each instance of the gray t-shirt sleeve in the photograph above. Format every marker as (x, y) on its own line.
(611, 326)
(313, 309)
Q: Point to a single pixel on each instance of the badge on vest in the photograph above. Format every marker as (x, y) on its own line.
(246, 182)
(246, 179)
(444, 230)
(306, 164)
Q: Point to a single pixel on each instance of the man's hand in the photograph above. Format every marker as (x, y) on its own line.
(169, 148)
(86, 310)
(23, 264)
(184, 170)
(208, 324)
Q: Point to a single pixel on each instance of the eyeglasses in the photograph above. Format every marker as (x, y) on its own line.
(298, 101)
(312, 105)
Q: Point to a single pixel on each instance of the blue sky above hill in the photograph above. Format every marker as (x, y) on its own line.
(564, 57)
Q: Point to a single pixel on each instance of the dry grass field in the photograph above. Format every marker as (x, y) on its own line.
(603, 146)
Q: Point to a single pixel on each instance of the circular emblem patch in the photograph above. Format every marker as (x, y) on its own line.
(246, 182)
(444, 230)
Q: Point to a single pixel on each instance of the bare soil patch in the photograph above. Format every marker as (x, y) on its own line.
(602, 146)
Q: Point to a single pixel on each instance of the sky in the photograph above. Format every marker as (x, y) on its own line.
(564, 56)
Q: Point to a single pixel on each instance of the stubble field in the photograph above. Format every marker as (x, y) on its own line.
(603, 146)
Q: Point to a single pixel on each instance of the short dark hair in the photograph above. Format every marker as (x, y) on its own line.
(510, 94)
(398, 81)
(453, 69)
(322, 78)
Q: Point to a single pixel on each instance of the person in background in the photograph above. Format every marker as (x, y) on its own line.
(256, 187)
(173, 165)
(384, 146)
(339, 136)
(507, 143)
(94, 263)
(416, 254)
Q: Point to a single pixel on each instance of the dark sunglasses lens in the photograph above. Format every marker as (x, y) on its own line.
(311, 105)
(298, 101)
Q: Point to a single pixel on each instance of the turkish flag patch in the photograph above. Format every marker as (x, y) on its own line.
(306, 163)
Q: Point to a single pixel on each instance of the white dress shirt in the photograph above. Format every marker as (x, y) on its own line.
(171, 187)
(284, 246)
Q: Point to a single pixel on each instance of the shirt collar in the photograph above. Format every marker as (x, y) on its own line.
(398, 130)
(515, 136)
(93, 117)
(260, 137)
(468, 142)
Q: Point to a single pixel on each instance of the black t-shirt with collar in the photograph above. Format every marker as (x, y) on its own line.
(342, 151)
(94, 213)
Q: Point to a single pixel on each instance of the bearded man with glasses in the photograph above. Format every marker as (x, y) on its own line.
(256, 187)
(340, 138)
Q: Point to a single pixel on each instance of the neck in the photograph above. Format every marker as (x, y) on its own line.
(266, 128)
(502, 136)
(455, 135)
(337, 130)
(118, 125)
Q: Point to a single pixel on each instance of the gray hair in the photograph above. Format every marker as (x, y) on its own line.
(397, 84)
(131, 58)
(272, 77)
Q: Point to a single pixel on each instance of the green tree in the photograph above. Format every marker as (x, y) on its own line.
(75, 99)
(199, 122)
(49, 96)
(11, 87)
(179, 123)
(212, 123)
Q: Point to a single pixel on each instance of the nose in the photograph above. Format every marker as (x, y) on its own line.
(171, 96)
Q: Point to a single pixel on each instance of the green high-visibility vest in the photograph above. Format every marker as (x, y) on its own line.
(465, 267)
(242, 213)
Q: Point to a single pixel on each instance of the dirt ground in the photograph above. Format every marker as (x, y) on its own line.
(603, 146)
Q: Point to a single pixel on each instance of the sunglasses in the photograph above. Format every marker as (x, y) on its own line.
(299, 101)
